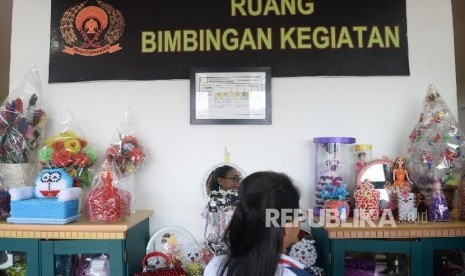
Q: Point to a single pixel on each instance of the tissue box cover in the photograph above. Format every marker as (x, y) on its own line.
(44, 211)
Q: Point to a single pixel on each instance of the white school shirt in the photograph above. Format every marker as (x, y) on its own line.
(214, 266)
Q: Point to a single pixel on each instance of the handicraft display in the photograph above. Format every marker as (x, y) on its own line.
(305, 252)
(107, 201)
(69, 150)
(174, 248)
(334, 174)
(367, 201)
(53, 199)
(127, 153)
(363, 155)
(406, 205)
(437, 208)
(436, 146)
(22, 123)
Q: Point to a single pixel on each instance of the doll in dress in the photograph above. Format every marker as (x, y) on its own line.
(361, 161)
(400, 177)
(437, 209)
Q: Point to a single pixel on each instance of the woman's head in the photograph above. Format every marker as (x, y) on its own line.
(224, 177)
(255, 233)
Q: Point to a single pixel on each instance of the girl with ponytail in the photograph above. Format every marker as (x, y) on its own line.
(263, 225)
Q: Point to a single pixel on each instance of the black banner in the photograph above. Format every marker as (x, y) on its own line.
(163, 39)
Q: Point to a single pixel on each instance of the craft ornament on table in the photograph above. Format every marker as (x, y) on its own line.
(22, 123)
(178, 244)
(367, 201)
(107, 201)
(193, 264)
(157, 260)
(52, 200)
(333, 194)
(436, 146)
(330, 186)
(158, 263)
(407, 210)
(437, 208)
(69, 149)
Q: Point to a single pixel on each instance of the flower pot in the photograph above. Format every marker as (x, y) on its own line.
(339, 209)
(17, 175)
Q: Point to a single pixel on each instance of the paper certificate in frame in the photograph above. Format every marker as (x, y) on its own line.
(234, 95)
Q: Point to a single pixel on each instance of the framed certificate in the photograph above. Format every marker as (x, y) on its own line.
(230, 96)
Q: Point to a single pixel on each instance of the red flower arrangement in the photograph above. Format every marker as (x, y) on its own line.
(128, 154)
(71, 152)
(20, 130)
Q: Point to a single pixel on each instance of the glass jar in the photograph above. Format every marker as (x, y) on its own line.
(363, 155)
(334, 170)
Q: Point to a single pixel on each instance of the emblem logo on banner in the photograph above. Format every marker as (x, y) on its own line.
(99, 29)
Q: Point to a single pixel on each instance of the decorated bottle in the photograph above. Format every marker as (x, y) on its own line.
(334, 170)
(362, 154)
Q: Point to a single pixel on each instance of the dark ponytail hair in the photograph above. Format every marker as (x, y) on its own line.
(255, 248)
(212, 179)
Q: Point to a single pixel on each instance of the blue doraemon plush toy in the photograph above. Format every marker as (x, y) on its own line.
(51, 183)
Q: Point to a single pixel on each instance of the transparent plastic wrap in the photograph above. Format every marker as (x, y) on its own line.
(334, 170)
(127, 153)
(437, 209)
(107, 201)
(22, 123)
(70, 150)
(436, 148)
(126, 150)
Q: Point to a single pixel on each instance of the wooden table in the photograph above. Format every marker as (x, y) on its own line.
(123, 241)
(416, 240)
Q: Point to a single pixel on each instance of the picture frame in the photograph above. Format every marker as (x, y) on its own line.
(230, 96)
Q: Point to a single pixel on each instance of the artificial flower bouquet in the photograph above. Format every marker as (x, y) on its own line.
(334, 189)
(21, 128)
(334, 194)
(125, 150)
(22, 122)
(70, 151)
(107, 201)
(127, 153)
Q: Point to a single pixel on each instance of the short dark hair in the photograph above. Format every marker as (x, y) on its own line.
(212, 180)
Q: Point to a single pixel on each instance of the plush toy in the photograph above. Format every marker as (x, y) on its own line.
(192, 257)
(156, 260)
(305, 252)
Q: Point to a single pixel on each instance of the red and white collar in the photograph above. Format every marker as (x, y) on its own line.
(287, 261)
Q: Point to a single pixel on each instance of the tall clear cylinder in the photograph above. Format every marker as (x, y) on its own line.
(334, 170)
